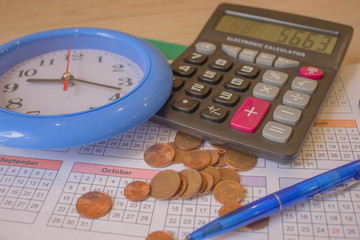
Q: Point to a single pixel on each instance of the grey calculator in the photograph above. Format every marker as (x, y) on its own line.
(254, 80)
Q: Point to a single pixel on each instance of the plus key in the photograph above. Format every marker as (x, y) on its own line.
(250, 114)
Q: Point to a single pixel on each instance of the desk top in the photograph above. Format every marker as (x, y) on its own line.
(165, 20)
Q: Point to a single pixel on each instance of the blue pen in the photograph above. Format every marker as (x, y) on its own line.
(277, 201)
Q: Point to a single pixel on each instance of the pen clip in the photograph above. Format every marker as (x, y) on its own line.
(319, 195)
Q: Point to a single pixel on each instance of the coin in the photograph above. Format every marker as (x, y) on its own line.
(228, 191)
(182, 189)
(221, 161)
(214, 172)
(208, 182)
(159, 235)
(194, 181)
(218, 148)
(165, 184)
(239, 161)
(229, 207)
(179, 154)
(229, 174)
(159, 155)
(196, 159)
(137, 191)
(93, 204)
(214, 156)
(186, 142)
(259, 224)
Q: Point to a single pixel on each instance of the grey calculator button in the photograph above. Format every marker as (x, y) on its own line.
(277, 132)
(248, 55)
(305, 85)
(287, 115)
(296, 99)
(266, 59)
(205, 48)
(266, 91)
(275, 77)
(282, 62)
(230, 50)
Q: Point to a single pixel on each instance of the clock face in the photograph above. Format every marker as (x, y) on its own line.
(95, 78)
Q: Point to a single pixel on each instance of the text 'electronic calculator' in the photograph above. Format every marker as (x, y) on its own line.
(254, 80)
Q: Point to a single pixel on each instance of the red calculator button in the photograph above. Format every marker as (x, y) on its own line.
(250, 114)
(311, 72)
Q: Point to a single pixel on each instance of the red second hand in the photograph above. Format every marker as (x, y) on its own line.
(67, 74)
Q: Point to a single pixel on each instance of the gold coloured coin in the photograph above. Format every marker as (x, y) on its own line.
(137, 191)
(194, 182)
(229, 207)
(196, 159)
(228, 191)
(93, 204)
(239, 161)
(186, 142)
(159, 235)
(165, 184)
(229, 174)
(159, 155)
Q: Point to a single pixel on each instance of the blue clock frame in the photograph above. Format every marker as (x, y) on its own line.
(69, 130)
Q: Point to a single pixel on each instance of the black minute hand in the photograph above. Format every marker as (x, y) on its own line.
(96, 84)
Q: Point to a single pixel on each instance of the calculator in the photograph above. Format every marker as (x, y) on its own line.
(254, 80)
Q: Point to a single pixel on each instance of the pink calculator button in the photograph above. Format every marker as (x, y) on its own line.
(311, 72)
(250, 114)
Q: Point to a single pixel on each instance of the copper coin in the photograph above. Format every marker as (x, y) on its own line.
(259, 224)
(221, 161)
(159, 235)
(229, 207)
(214, 156)
(182, 189)
(228, 191)
(165, 184)
(186, 142)
(159, 155)
(229, 174)
(239, 161)
(93, 204)
(194, 182)
(214, 172)
(179, 154)
(209, 183)
(196, 159)
(137, 191)
(218, 148)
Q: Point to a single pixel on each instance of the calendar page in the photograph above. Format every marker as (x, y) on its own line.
(39, 189)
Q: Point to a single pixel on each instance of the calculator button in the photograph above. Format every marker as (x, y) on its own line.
(178, 83)
(210, 77)
(266, 91)
(311, 72)
(247, 71)
(226, 98)
(198, 90)
(296, 99)
(277, 132)
(232, 51)
(184, 70)
(205, 48)
(282, 62)
(250, 114)
(185, 105)
(248, 55)
(237, 84)
(287, 115)
(196, 58)
(214, 113)
(305, 85)
(266, 59)
(221, 64)
(275, 78)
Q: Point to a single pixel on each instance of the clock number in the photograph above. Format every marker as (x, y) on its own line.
(27, 73)
(118, 68)
(44, 62)
(75, 56)
(115, 97)
(14, 103)
(125, 82)
(11, 87)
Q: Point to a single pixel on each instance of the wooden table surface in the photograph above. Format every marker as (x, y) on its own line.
(165, 20)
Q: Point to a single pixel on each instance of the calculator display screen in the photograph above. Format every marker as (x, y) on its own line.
(277, 33)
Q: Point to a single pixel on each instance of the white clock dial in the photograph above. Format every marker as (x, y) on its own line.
(96, 78)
